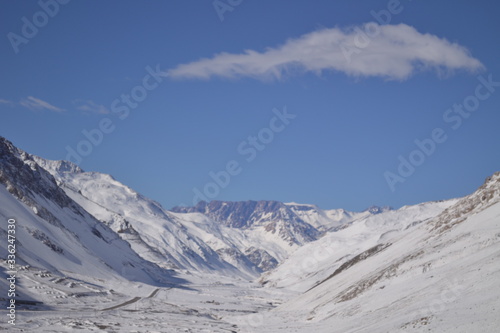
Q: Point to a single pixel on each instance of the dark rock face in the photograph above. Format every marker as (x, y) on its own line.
(485, 196)
(261, 258)
(24, 179)
(41, 236)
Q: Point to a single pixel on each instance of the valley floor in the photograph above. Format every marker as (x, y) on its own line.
(206, 305)
(468, 303)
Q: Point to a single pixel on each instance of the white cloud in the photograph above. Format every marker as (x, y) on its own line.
(389, 51)
(90, 106)
(33, 103)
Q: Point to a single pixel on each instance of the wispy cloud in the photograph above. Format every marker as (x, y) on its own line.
(91, 106)
(33, 103)
(395, 52)
(6, 102)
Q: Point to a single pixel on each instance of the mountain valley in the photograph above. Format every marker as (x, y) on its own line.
(95, 255)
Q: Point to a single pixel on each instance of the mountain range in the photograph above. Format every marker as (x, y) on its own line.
(91, 232)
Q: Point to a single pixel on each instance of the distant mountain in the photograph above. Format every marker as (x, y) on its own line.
(296, 224)
(428, 267)
(273, 216)
(268, 232)
(368, 230)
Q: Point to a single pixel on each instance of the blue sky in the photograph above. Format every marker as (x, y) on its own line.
(357, 96)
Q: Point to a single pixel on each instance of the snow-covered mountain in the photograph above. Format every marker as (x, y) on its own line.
(355, 237)
(399, 271)
(154, 233)
(56, 234)
(269, 231)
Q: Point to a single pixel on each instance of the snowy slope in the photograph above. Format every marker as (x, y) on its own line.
(156, 234)
(315, 261)
(439, 275)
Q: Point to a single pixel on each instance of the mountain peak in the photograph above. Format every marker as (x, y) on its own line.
(59, 167)
(236, 214)
(7, 148)
(377, 209)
